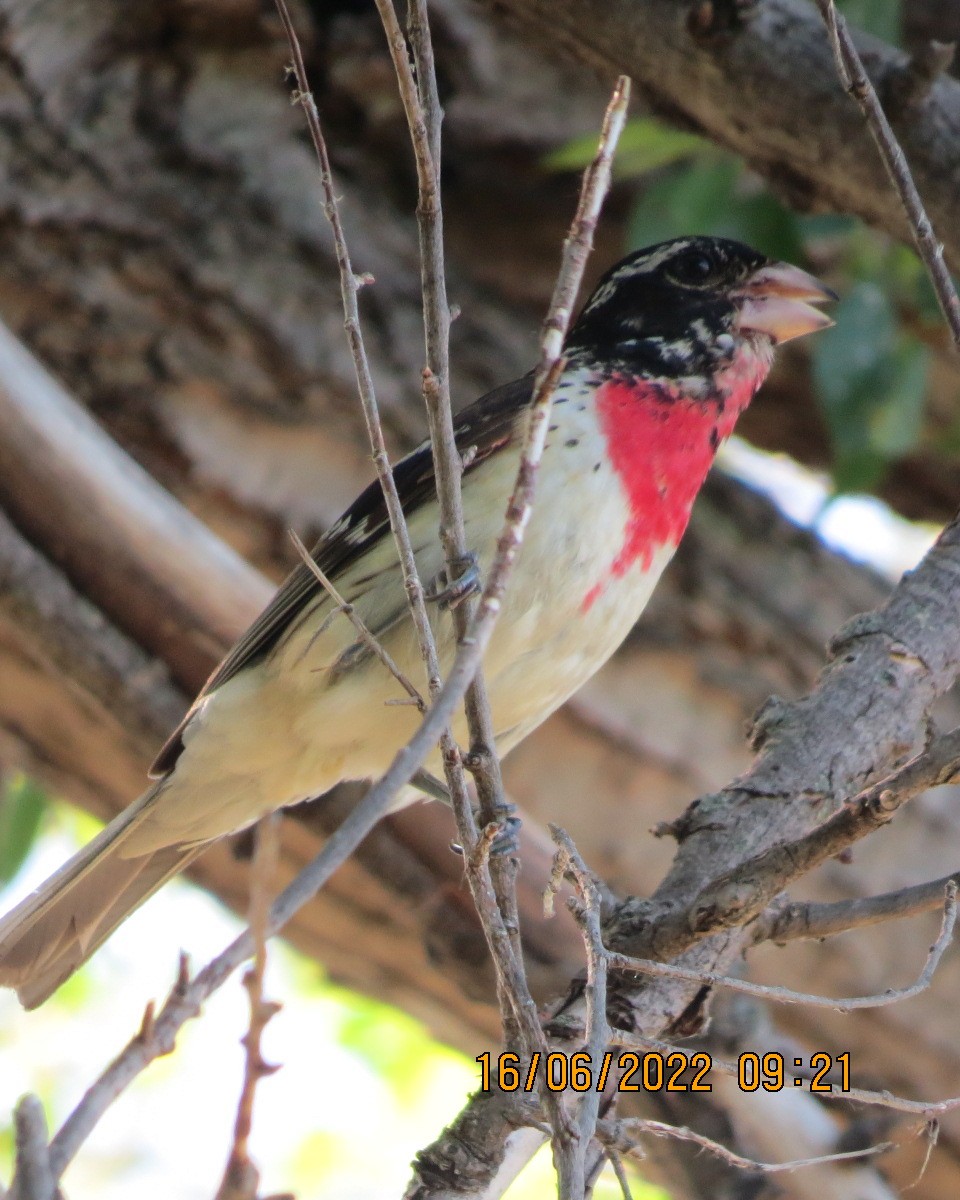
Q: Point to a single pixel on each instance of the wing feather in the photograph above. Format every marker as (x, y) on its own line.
(484, 427)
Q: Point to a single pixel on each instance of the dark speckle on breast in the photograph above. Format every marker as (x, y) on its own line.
(571, 442)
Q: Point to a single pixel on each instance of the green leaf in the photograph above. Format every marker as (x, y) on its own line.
(871, 380)
(761, 221)
(708, 197)
(685, 201)
(857, 471)
(947, 441)
(897, 417)
(817, 227)
(925, 300)
(879, 17)
(644, 144)
(22, 806)
(847, 357)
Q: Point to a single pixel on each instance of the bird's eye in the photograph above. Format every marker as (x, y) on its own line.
(693, 269)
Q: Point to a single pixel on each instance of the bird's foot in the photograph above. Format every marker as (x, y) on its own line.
(467, 583)
(506, 841)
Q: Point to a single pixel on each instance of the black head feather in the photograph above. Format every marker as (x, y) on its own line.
(661, 311)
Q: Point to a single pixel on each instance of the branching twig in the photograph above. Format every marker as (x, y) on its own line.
(622, 1134)
(797, 920)
(34, 1178)
(616, 1164)
(855, 79)
(349, 289)
(453, 767)
(446, 459)
(184, 1001)
(741, 894)
(781, 995)
(932, 1131)
(353, 617)
(588, 914)
(241, 1177)
(492, 883)
(422, 107)
(920, 1108)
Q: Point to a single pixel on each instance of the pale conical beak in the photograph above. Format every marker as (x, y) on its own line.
(778, 300)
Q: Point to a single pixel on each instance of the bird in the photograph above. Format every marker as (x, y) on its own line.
(667, 352)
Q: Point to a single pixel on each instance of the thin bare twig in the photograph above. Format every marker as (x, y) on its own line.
(797, 920)
(34, 1178)
(492, 883)
(616, 1163)
(622, 1133)
(445, 454)
(241, 1177)
(920, 1108)
(781, 995)
(569, 862)
(188, 994)
(854, 78)
(739, 895)
(577, 246)
(483, 760)
(932, 1131)
(354, 618)
(349, 289)
(422, 108)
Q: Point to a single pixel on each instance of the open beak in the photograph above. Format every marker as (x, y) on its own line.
(778, 300)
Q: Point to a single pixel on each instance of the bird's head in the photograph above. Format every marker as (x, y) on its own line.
(691, 306)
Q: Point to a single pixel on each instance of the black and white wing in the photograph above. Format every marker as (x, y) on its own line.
(486, 426)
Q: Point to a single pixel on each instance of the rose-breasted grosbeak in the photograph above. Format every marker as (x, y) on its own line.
(664, 357)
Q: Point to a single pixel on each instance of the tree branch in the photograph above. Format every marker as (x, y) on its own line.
(764, 86)
(158, 1035)
(779, 995)
(159, 559)
(869, 707)
(854, 78)
(623, 1134)
(738, 896)
(241, 1178)
(34, 1178)
(796, 920)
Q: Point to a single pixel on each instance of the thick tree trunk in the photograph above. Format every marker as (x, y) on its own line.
(165, 255)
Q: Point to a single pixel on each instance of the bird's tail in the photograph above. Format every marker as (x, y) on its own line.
(57, 927)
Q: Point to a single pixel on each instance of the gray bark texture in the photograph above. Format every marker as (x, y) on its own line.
(164, 255)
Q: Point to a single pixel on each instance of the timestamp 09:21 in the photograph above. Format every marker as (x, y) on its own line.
(653, 1071)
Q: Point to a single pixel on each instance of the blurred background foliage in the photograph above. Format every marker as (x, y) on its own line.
(871, 371)
(348, 1064)
(22, 806)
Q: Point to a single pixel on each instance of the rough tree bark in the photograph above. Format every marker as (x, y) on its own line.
(164, 255)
